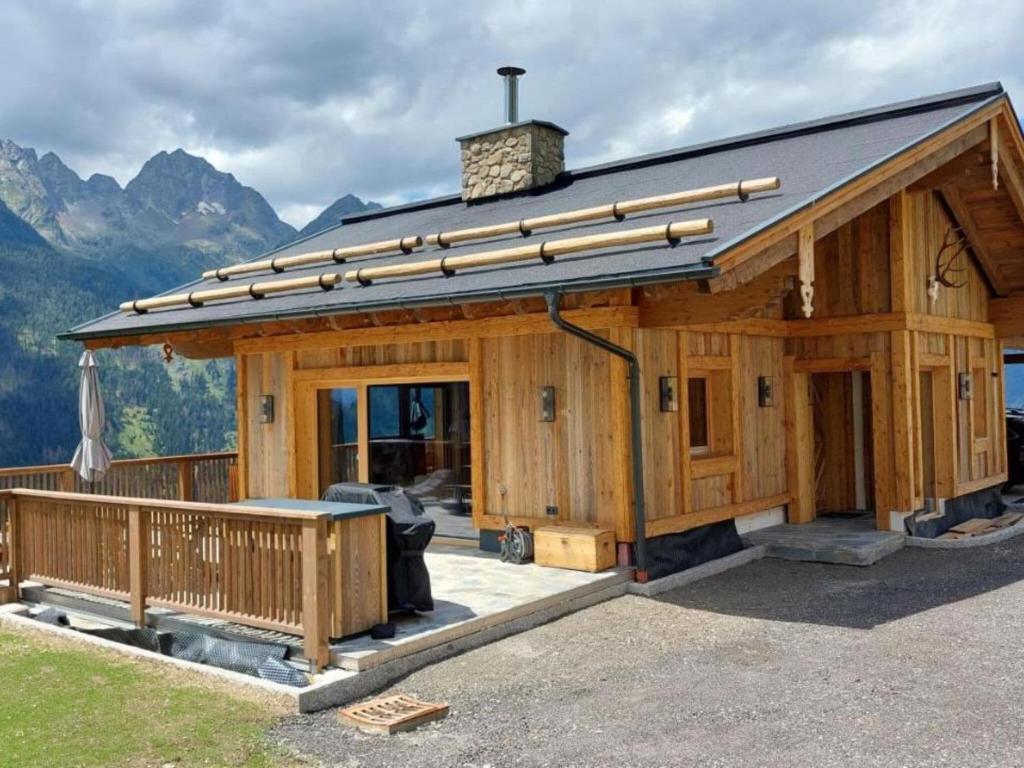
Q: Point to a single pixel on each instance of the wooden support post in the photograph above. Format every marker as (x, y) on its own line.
(686, 480)
(66, 480)
(881, 419)
(363, 431)
(234, 484)
(944, 415)
(903, 422)
(799, 444)
(620, 419)
(805, 258)
(736, 379)
(14, 552)
(185, 480)
(138, 541)
(315, 613)
(242, 416)
(477, 416)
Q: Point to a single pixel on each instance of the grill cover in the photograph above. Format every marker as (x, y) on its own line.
(409, 532)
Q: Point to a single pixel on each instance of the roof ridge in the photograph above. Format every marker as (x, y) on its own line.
(830, 122)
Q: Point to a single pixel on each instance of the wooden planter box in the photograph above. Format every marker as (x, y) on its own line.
(579, 549)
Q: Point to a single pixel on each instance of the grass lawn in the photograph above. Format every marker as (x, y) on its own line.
(64, 705)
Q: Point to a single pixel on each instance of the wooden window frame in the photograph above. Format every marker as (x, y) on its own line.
(306, 383)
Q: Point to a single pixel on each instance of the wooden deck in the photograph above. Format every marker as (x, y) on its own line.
(161, 533)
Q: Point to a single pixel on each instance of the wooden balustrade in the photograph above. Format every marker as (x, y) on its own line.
(206, 477)
(203, 477)
(279, 569)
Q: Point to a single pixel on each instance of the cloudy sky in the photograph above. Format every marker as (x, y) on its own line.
(306, 100)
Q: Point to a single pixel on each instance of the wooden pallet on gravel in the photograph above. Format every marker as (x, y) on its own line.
(392, 714)
(981, 526)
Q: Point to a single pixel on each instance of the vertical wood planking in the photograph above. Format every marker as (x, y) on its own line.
(477, 441)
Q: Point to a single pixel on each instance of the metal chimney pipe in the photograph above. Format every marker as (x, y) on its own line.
(511, 77)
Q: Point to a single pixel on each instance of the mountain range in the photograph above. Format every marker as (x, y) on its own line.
(71, 249)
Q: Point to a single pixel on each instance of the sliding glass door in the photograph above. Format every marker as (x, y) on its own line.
(416, 437)
(338, 435)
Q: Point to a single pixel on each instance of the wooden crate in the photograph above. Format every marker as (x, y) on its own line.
(579, 549)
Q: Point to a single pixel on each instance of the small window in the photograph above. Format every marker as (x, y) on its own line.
(697, 399)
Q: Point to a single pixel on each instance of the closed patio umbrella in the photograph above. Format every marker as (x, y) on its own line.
(92, 459)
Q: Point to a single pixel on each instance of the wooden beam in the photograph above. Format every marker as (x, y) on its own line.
(1007, 316)
(805, 260)
(986, 262)
(680, 523)
(747, 271)
(832, 365)
(597, 318)
(391, 373)
(993, 142)
(1010, 176)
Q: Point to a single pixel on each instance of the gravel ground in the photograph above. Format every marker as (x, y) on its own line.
(911, 662)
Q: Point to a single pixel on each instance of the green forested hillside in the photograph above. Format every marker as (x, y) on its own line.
(152, 408)
(72, 249)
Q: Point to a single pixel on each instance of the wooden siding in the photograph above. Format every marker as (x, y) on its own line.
(871, 314)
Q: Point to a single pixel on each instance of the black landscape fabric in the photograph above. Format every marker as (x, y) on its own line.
(678, 551)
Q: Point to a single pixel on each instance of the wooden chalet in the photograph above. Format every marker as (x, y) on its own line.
(759, 329)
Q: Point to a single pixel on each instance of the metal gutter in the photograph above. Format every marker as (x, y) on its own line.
(691, 271)
(553, 299)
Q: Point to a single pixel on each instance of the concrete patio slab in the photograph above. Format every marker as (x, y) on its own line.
(472, 591)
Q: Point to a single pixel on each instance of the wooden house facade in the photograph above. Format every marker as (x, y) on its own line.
(831, 339)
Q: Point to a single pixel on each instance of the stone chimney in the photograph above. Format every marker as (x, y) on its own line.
(516, 156)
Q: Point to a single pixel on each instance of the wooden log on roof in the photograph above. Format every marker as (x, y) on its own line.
(337, 255)
(739, 189)
(545, 251)
(324, 281)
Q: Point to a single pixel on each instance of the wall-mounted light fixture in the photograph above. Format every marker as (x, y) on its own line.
(965, 387)
(266, 409)
(547, 403)
(668, 389)
(766, 391)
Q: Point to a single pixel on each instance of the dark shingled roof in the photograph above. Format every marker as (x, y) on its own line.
(812, 159)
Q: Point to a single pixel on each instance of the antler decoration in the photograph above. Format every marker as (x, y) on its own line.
(947, 260)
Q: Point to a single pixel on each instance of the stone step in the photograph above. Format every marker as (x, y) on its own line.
(827, 541)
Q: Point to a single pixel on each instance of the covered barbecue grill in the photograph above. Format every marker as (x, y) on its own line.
(409, 530)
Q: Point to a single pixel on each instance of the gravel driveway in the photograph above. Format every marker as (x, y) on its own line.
(911, 662)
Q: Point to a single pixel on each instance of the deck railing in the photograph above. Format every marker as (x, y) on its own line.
(208, 477)
(264, 568)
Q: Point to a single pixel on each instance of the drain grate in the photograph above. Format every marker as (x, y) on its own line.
(392, 714)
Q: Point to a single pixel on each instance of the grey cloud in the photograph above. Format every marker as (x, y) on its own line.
(308, 99)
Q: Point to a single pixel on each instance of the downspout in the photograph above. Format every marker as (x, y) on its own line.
(636, 438)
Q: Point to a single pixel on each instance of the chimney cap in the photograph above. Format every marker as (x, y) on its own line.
(515, 71)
